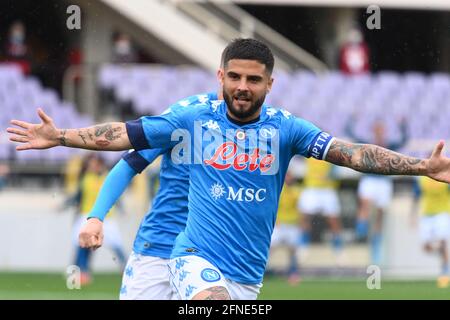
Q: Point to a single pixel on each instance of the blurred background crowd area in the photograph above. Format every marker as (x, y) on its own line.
(134, 58)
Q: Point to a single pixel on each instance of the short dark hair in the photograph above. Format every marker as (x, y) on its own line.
(248, 49)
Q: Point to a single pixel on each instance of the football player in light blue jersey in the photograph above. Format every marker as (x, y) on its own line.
(146, 276)
(238, 152)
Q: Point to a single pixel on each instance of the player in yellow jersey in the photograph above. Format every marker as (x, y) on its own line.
(287, 228)
(434, 222)
(92, 175)
(320, 196)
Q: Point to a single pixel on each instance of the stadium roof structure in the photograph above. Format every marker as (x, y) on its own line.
(400, 4)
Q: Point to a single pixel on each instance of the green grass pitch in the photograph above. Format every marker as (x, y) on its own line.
(24, 286)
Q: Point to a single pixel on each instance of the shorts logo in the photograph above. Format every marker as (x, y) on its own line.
(210, 275)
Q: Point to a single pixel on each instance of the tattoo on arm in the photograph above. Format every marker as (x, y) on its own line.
(80, 134)
(101, 129)
(110, 134)
(108, 131)
(91, 137)
(373, 159)
(62, 139)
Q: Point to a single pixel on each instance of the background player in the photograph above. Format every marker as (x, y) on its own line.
(287, 228)
(434, 224)
(320, 196)
(92, 175)
(375, 191)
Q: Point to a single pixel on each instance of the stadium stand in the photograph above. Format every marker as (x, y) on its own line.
(420, 99)
(20, 95)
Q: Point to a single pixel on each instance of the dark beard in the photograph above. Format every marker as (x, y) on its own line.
(240, 114)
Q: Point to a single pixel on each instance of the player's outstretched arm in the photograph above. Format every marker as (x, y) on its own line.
(108, 136)
(374, 159)
(116, 182)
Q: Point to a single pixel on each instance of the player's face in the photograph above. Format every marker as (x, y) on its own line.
(245, 84)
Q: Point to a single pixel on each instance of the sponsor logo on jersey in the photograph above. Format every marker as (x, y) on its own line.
(217, 191)
(238, 149)
(241, 194)
(227, 156)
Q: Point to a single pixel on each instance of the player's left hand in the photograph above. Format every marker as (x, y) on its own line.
(91, 235)
(438, 166)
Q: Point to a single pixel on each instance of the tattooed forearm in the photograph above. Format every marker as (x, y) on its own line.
(91, 137)
(373, 159)
(109, 136)
(62, 139)
(101, 129)
(82, 136)
(109, 132)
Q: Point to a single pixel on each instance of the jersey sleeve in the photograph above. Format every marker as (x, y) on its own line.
(139, 160)
(156, 131)
(114, 185)
(308, 140)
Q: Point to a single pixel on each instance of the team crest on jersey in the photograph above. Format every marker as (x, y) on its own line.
(268, 132)
(210, 275)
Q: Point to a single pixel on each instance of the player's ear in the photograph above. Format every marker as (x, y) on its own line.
(269, 85)
(220, 75)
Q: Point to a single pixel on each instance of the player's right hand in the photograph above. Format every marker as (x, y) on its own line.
(91, 234)
(35, 136)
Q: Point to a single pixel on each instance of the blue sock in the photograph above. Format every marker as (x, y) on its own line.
(305, 239)
(337, 242)
(375, 244)
(82, 259)
(362, 229)
(293, 266)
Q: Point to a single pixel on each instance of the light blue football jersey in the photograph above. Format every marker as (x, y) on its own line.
(236, 175)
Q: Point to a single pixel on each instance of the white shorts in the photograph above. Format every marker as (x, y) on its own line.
(376, 189)
(146, 278)
(434, 228)
(112, 237)
(319, 200)
(192, 274)
(285, 234)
